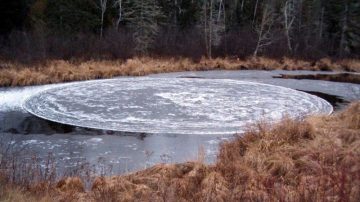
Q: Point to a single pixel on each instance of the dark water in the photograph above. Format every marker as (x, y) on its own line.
(337, 102)
(123, 152)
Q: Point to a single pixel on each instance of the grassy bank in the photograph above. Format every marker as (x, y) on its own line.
(316, 159)
(56, 71)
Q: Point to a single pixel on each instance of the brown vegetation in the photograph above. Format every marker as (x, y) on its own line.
(56, 71)
(316, 159)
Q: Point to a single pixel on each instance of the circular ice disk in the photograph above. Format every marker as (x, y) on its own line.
(171, 105)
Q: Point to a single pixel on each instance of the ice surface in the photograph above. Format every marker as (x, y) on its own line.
(347, 91)
(129, 153)
(175, 105)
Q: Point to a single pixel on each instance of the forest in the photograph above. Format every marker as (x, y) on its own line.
(37, 30)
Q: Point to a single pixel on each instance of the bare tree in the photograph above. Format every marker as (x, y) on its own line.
(289, 18)
(103, 10)
(118, 3)
(255, 11)
(321, 23)
(219, 26)
(214, 23)
(343, 41)
(263, 30)
(242, 5)
(210, 29)
(205, 23)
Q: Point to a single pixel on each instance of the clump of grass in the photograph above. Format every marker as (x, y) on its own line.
(16, 194)
(56, 71)
(296, 160)
(71, 184)
(351, 116)
(350, 65)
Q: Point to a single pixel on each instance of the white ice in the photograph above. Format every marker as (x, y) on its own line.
(176, 105)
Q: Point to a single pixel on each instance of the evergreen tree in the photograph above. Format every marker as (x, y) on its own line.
(350, 27)
(73, 15)
(13, 15)
(143, 17)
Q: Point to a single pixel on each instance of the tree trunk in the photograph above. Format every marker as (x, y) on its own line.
(264, 30)
(225, 38)
(255, 11)
(321, 23)
(343, 31)
(119, 2)
(102, 26)
(210, 29)
(103, 10)
(205, 28)
(289, 18)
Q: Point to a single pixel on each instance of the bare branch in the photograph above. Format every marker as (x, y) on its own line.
(264, 30)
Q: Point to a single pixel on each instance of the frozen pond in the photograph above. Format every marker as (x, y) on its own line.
(132, 151)
(173, 106)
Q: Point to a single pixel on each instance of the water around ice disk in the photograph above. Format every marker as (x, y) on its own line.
(171, 105)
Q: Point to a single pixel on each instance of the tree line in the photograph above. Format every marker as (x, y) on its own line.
(65, 29)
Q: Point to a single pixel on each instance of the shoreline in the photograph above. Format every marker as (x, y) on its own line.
(58, 71)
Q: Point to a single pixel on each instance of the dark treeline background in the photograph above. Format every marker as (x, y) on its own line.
(34, 30)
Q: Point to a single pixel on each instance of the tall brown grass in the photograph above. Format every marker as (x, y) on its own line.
(56, 71)
(315, 159)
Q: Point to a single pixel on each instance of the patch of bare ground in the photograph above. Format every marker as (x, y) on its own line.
(56, 71)
(316, 159)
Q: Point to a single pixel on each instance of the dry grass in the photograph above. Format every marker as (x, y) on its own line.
(311, 160)
(56, 71)
(316, 159)
(14, 194)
